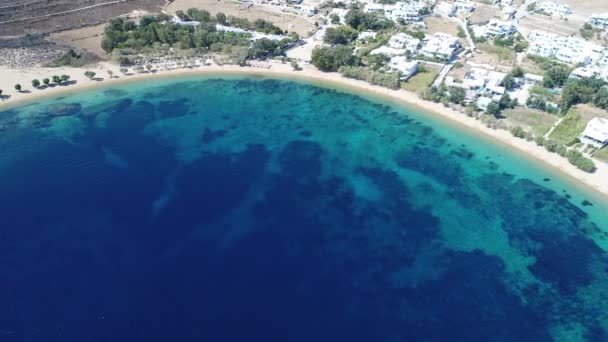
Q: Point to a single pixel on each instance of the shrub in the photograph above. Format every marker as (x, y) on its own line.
(577, 159)
(518, 132)
(540, 141)
(371, 76)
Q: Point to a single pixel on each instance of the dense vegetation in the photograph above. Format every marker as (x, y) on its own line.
(341, 35)
(371, 76)
(332, 58)
(585, 90)
(360, 20)
(157, 31)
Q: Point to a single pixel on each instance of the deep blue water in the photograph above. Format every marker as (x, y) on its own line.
(266, 210)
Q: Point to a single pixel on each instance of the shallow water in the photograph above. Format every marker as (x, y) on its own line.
(262, 210)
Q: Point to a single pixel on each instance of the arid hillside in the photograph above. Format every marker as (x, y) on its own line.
(18, 17)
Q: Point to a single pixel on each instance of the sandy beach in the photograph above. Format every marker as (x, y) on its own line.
(597, 181)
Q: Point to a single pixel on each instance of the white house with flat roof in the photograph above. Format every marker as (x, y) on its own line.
(399, 44)
(445, 8)
(404, 41)
(554, 9)
(405, 10)
(465, 7)
(599, 20)
(485, 81)
(499, 28)
(401, 64)
(596, 133)
(483, 102)
(441, 45)
(566, 49)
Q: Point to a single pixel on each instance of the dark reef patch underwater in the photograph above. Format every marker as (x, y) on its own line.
(265, 210)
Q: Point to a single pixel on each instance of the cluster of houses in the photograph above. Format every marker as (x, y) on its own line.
(254, 35)
(566, 49)
(399, 44)
(554, 9)
(401, 47)
(599, 21)
(440, 46)
(481, 84)
(495, 28)
(407, 11)
(452, 8)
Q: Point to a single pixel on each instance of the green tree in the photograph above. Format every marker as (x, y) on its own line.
(89, 74)
(221, 18)
(361, 21)
(556, 76)
(518, 132)
(378, 60)
(493, 109)
(509, 82)
(56, 79)
(505, 101)
(577, 159)
(457, 95)
(263, 47)
(575, 91)
(601, 98)
(520, 46)
(341, 35)
(294, 65)
(18, 87)
(35, 83)
(539, 140)
(332, 58)
(418, 34)
(198, 15)
(65, 78)
(517, 72)
(334, 19)
(46, 81)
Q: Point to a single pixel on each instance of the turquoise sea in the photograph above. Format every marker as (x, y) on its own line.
(251, 209)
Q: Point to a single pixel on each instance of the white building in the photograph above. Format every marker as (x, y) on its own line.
(389, 51)
(398, 45)
(176, 20)
(306, 10)
(404, 41)
(475, 78)
(401, 64)
(408, 11)
(254, 35)
(596, 132)
(446, 8)
(499, 28)
(566, 49)
(365, 35)
(599, 20)
(508, 12)
(484, 81)
(441, 45)
(483, 102)
(465, 7)
(554, 9)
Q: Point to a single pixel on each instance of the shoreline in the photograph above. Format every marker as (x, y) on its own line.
(597, 182)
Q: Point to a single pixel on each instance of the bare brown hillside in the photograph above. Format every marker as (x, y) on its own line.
(18, 17)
